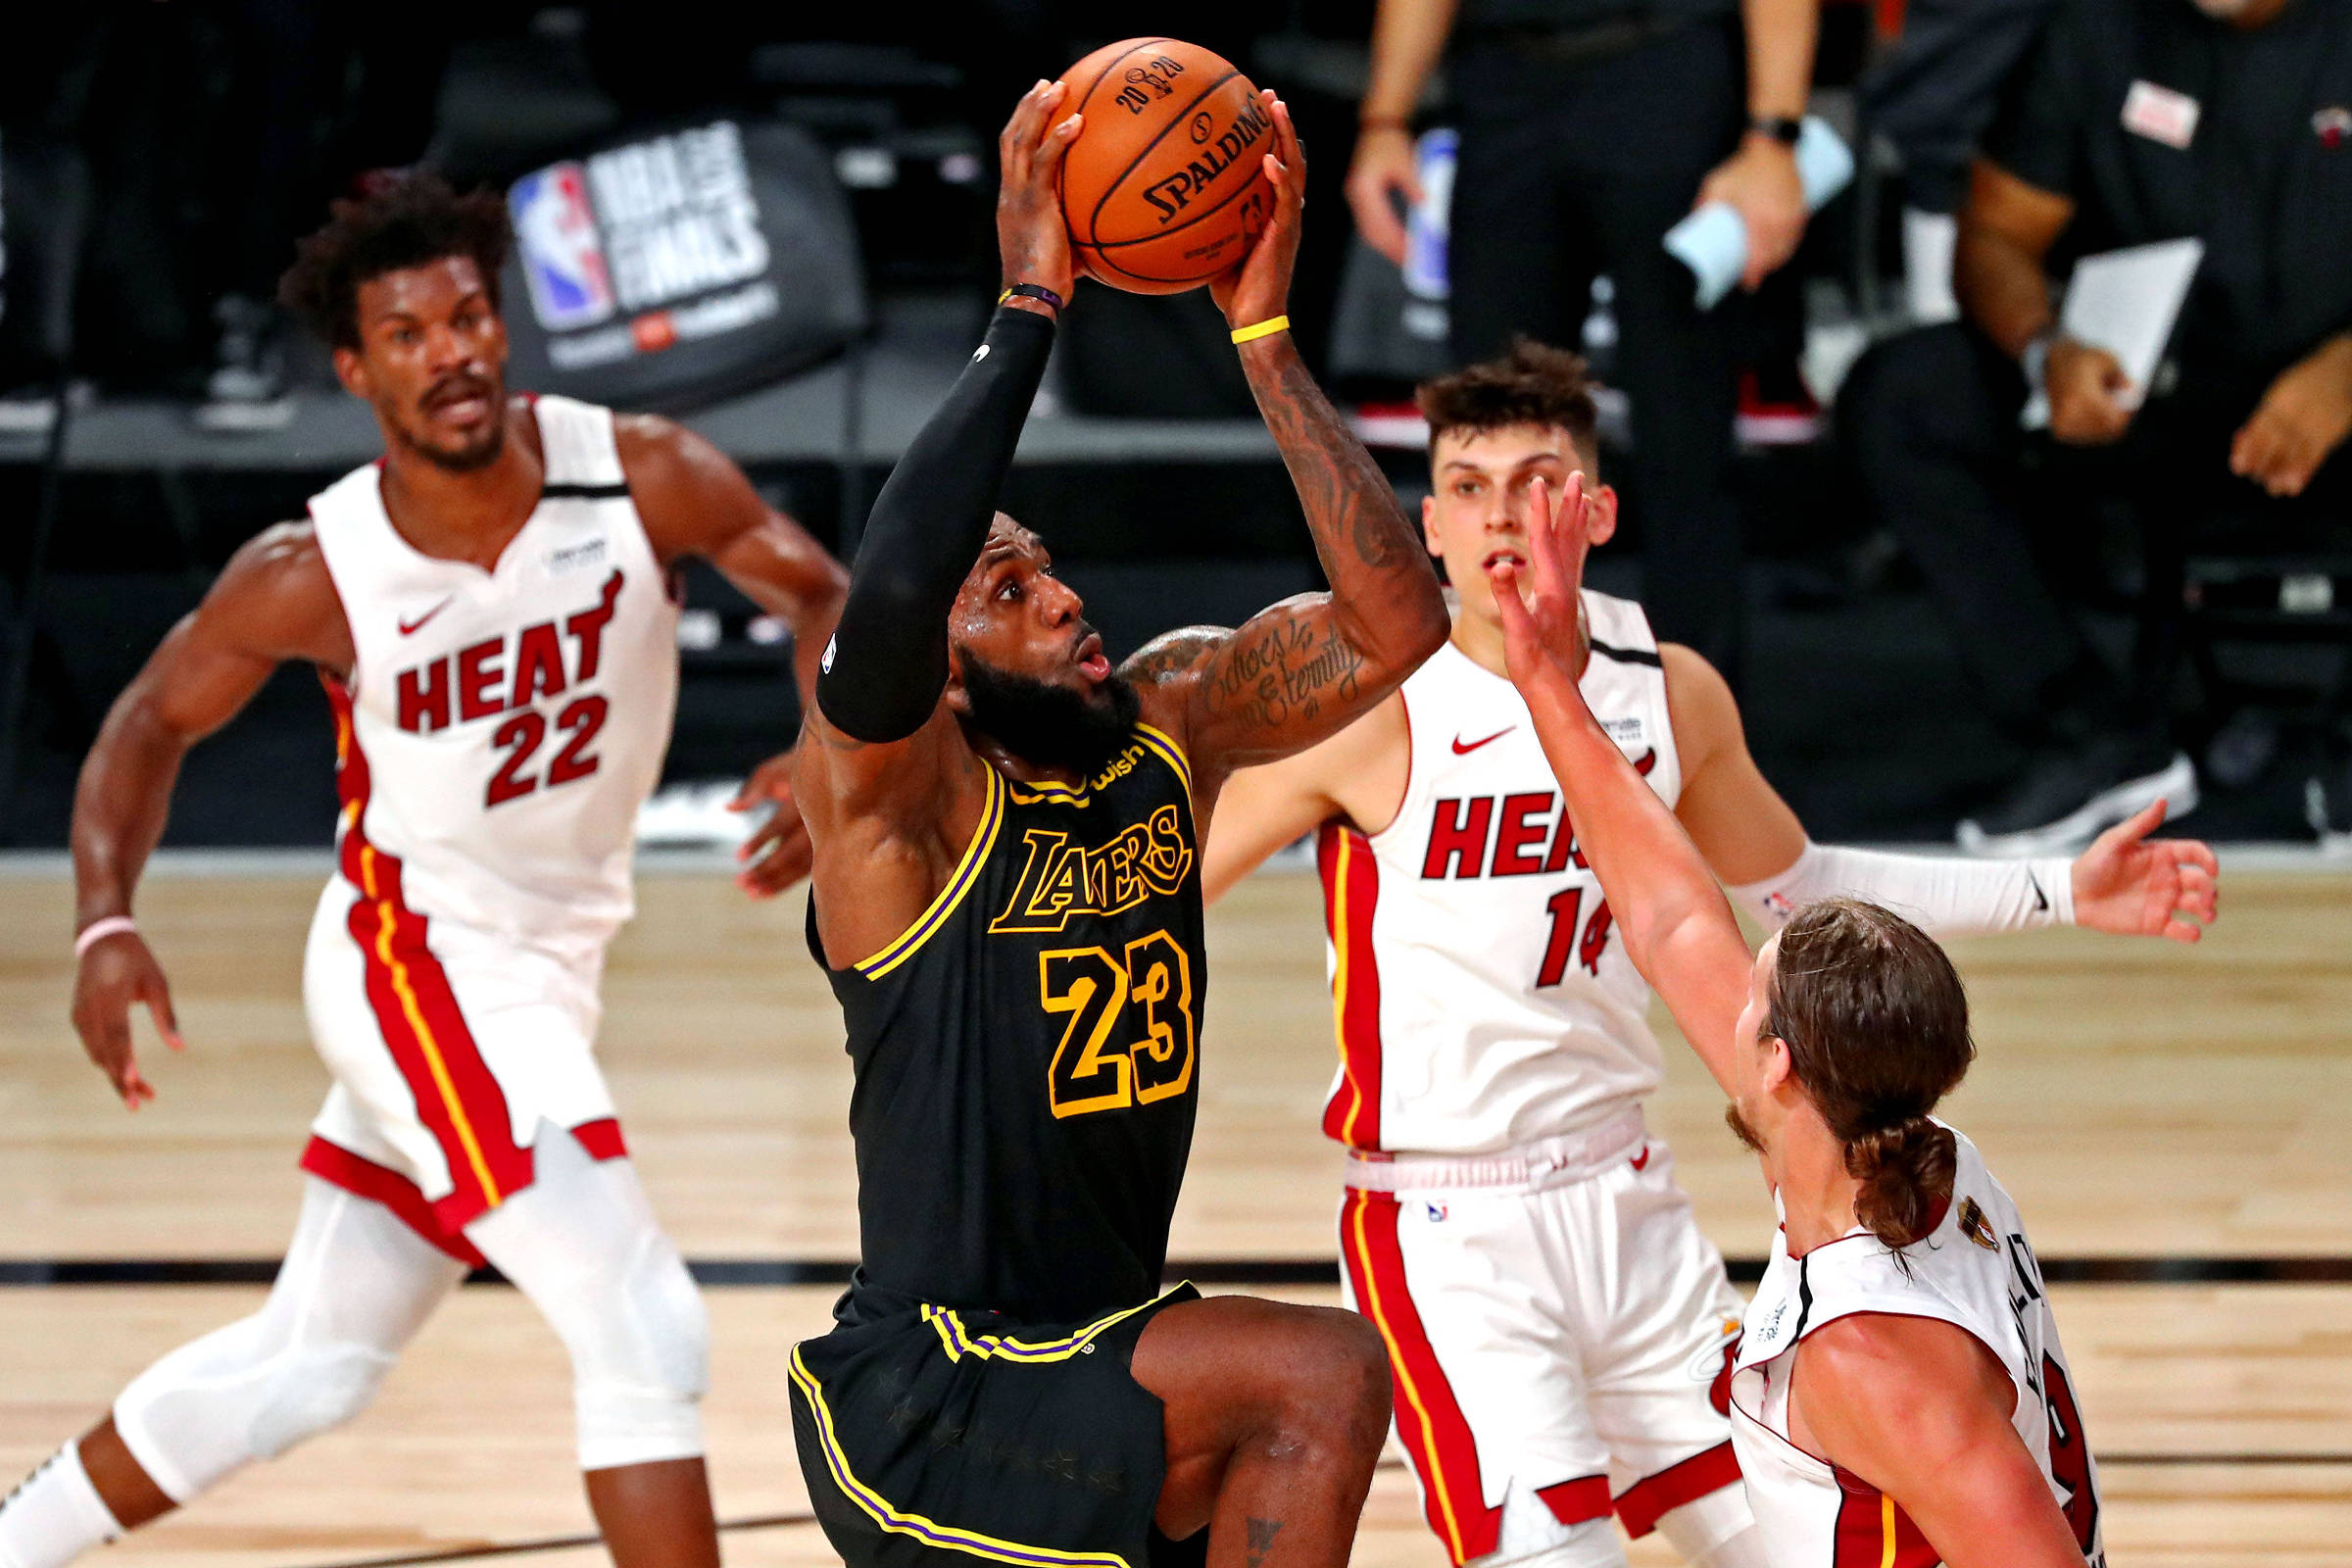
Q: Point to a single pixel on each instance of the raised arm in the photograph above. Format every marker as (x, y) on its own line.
(1307, 667)
(1677, 928)
(885, 780)
(275, 602)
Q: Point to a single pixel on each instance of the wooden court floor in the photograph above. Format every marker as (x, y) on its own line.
(2139, 1101)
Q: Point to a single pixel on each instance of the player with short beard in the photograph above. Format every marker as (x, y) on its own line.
(489, 611)
(1006, 902)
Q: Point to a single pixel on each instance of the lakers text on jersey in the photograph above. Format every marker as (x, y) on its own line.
(1027, 1058)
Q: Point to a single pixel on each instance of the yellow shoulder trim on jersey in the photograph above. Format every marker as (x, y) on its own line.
(1170, 753)
(960, 1343)
(929, 1532)
(1048, 790)
(967, 873)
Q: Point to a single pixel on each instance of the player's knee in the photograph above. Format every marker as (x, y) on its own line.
(639, 1377)
(1339, 1385)
(191, 1419)
(317, 1388)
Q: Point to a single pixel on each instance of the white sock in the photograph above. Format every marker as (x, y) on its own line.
(1929, 240)
(55, 1515)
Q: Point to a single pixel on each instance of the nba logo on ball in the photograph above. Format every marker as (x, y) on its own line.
(555, 230)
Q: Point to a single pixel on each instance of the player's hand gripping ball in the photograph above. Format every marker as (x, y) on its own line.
(1164, 187)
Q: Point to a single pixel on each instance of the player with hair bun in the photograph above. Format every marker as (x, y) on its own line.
(1559, 1329)
(1936, 1419)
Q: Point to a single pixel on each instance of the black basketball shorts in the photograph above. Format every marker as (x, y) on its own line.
(931, 1436)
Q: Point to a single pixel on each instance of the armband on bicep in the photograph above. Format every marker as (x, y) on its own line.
(1944, 894)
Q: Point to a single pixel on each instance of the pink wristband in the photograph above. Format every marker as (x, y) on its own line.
(97, 931)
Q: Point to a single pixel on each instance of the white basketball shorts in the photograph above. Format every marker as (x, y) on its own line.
(1554, 1319)
(449, 1047)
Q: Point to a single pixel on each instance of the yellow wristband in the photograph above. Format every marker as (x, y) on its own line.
(1265, 328)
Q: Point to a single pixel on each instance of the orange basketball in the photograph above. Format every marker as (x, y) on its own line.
(1165, 187)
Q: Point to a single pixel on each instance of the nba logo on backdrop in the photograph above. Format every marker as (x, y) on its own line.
(562, 256)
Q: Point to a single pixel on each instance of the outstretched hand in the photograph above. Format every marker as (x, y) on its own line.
(778, 853)
(1540, 603)
(1033, 238)
(1259, 288)
(2132, 885)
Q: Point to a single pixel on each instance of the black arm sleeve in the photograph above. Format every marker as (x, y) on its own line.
(883, 671)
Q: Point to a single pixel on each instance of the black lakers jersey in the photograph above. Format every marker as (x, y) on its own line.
(1027, 1052)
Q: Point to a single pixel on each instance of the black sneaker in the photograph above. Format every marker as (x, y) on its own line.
(247, 389)
(2069, 797)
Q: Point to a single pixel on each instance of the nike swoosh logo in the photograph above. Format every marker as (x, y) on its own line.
(1459, 750)
(2042, 900)
(1641, 1158)
(408, 626)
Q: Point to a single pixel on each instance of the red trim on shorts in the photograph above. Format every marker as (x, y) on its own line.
(363, 1177)
(1873, 1531)
(1572, 1502)
(1437, 1436)
(457, 1098)
(340, 1166)
(602, 1139)
(1351, 891)
(1641, 1505)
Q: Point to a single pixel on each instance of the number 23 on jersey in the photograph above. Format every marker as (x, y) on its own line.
(1130, 1038)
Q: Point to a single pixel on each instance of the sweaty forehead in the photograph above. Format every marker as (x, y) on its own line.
(1007, 541)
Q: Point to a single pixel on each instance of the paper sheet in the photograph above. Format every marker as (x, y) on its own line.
(2126, 302)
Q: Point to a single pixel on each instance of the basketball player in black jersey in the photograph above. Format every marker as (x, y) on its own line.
(1007, 898)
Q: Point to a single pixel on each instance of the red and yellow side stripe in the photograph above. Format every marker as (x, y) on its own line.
(457, 1099)
(1873, 1531)
(1430, 1422)
(1351, 891)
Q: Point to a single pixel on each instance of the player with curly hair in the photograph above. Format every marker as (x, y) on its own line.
(488, 607)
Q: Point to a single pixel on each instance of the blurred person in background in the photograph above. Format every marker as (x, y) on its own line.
(310, 98)
(1933, 95)
(2134, 121)
(1588, 128)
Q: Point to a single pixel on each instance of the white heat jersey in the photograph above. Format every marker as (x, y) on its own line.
(1973, 1269)
(500, 728)
(1480, 1002)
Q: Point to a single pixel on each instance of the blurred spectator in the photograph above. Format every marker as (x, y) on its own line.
(2134, 121)
(1933, 96)
(269, 152)
(1589, 128)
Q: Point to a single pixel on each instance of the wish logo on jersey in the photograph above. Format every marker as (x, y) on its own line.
(563, 258)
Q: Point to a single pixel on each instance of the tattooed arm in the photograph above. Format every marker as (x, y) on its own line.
(1304, 668)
